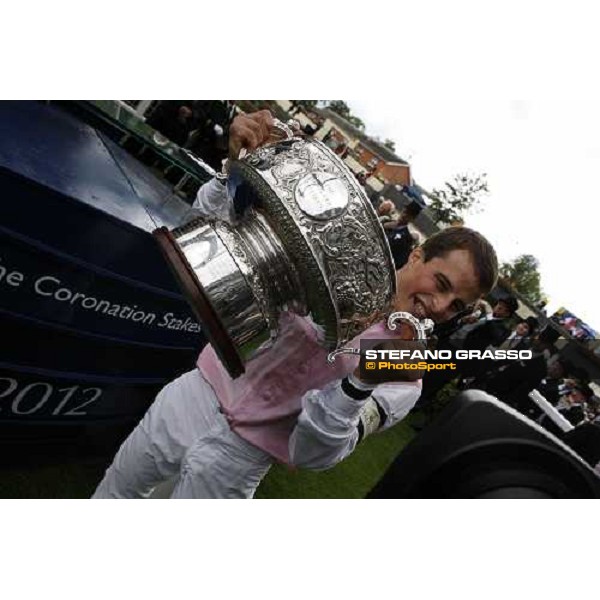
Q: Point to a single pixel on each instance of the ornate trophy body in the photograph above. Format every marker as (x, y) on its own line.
(308, 241)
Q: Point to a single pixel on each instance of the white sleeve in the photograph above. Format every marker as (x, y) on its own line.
(213, 201)
(397, 400)
(327, 429)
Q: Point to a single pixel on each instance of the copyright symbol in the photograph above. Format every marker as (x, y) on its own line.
(370, 365)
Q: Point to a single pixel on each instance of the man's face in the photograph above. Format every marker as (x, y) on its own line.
(522, 329)
(501, 310)
(576, 397)
(555, 370)
(185, 113)
(385, 207)
(405, 217)
(439, 288)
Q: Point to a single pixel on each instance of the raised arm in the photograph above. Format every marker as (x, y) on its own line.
(213, 201)
(247, 131)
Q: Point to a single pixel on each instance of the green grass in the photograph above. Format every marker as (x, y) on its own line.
(352, 478)
(64, 480)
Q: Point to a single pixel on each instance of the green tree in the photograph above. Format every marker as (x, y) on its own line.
(390, 144)
(456, 198)
(342, 109)
(523, 276)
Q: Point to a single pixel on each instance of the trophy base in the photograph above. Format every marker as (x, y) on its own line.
(198, 299)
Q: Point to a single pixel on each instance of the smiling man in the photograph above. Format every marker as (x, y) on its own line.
(446, 274)
(441, 278)
(218, 436)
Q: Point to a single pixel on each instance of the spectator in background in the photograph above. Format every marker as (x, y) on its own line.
(534, 325)
(573, 406)
(342, 150)
(479, 314)
(593, 413)
(549, 387)
(399, 236)
(384, 210)
(519, 338)
(309, 130)
(489, 332)
(209, 139)
(173, 119)
(199, 125)
(295, 107)
(331, 140)
(361, 178)
(493, 330)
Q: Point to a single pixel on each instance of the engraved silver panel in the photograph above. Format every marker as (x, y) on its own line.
(321, 195)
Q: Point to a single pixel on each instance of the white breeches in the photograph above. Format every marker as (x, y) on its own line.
(184, 435)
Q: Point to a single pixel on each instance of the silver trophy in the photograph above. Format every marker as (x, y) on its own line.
(307, 240)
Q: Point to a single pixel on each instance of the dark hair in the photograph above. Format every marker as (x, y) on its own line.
(482, 252)
(412, 210)
(533, 324)
(511, 303)
(585, 389)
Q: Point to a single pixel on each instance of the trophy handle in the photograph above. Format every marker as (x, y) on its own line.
(286, 128)
(422, 328)
(333, 355)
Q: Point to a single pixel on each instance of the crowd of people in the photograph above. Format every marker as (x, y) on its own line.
(201, 126)
(564, 386)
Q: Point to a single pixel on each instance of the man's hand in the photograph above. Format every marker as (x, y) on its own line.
(249, 131)
(469, 320)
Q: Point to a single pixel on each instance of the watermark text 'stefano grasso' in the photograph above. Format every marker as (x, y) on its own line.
(408, 360)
